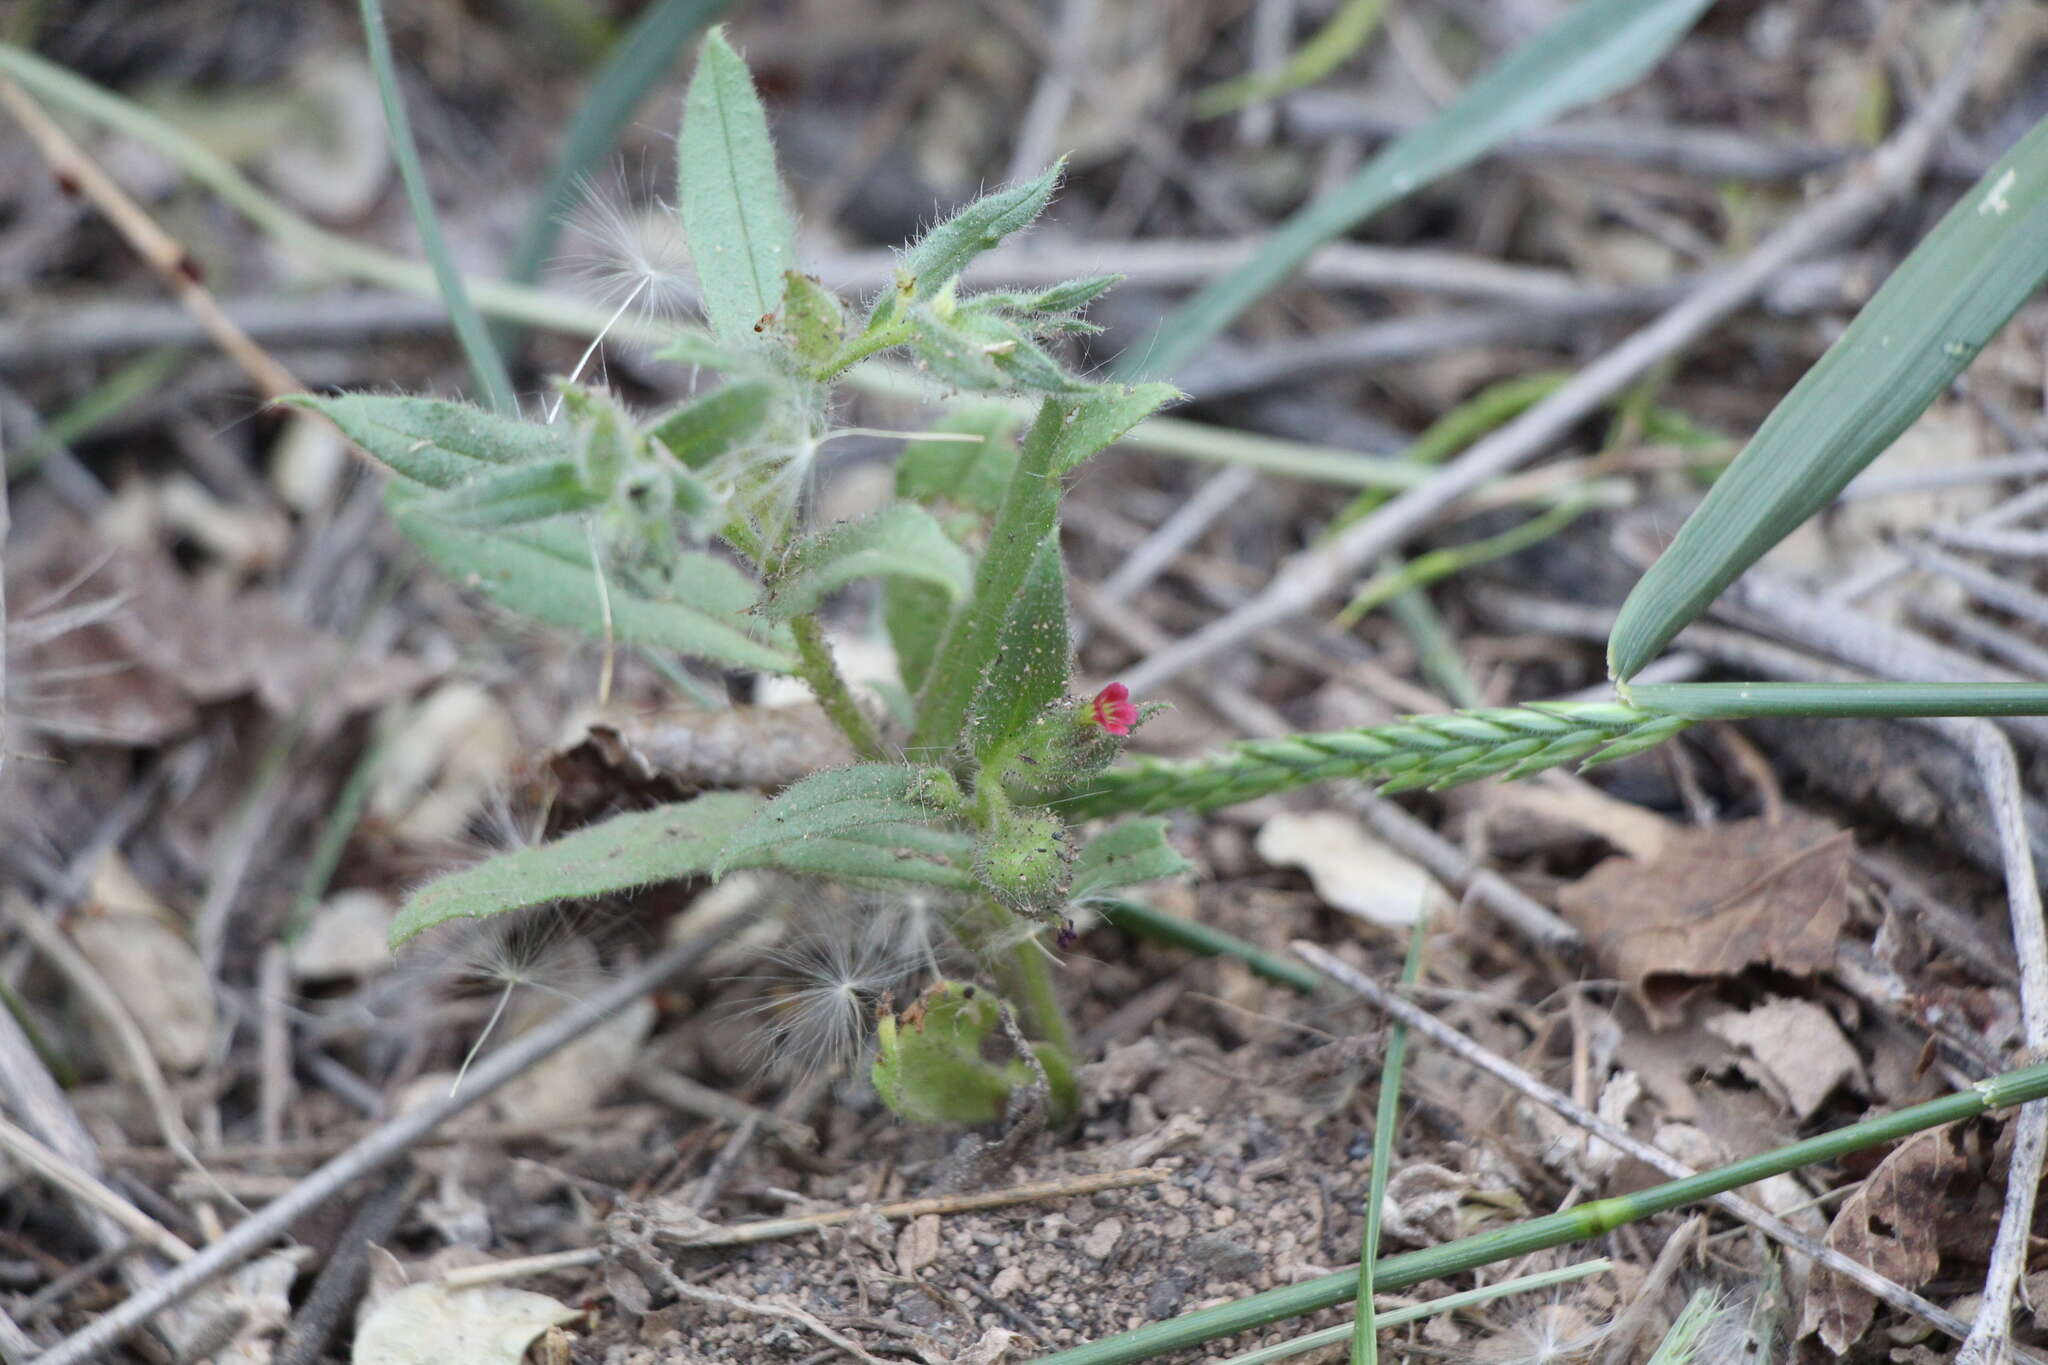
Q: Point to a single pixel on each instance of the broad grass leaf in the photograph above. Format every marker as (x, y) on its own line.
(900, 541)
(739, 230)
(626, 851)
(1965, 279)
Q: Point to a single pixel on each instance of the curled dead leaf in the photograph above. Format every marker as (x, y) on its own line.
(1891, 1225)
(1716, 902)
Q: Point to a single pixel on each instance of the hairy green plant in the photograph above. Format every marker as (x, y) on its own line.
(690, 531)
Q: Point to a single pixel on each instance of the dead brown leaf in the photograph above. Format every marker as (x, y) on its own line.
(680, 751)
(1716, 902)
(1890, 1225)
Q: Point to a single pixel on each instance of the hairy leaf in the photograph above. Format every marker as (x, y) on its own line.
(1033, 654)
(968, 474)
(739, 231)
(841, 801)
(916, 614)
(940, 256)
(900, 541)
(930, 1066)
(812, 319)
(1098, 421)
(705, 428)
(552, 578)
(624, 852)
(433, 442)
(1135, 851)
(515, 497)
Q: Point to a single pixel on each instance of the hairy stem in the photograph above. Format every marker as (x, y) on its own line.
(816, 666)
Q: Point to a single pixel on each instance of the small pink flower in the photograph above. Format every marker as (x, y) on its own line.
(1113, 709)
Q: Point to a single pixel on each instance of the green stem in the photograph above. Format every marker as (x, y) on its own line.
(1838, 701)
(816, 666)
(1538, 1234)
(1021, 524)
(484, 361)
(1135, 917)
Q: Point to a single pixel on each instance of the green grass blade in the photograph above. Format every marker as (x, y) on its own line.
(741, 238)
(639, 59)
(484, 361)
(1984, 259)
(1600, 47)
(1346, 31)
(1365, 1330)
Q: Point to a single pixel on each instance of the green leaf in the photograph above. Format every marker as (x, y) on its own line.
(436, 443)
(882, 856)
(1135, 851)
(940, 256)
(739, 230)
(811, 318)
(705, 428)
(929, 1064)
(916, 615)
(547, 573)
(1065, 297)
(1600, 47)
(970, 475)
(624, 852)
(517, 496)
(1100, 420)
(1969, 275)
(840, 801)
(900, 541)
(1033, 654)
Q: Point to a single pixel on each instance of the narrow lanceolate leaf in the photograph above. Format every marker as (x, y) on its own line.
(705, 428)
(1067, 431)
(1135, 851)
(1985, 258)
(881, 856)
(839, 803)
(900, 541)
(916, 616)
(512, 497)
(1033, 654)
(547, 573)
(624, 852)
(1423, 751)
(738, 228)
(1600, 47)
(436, 443)
(941, 254)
